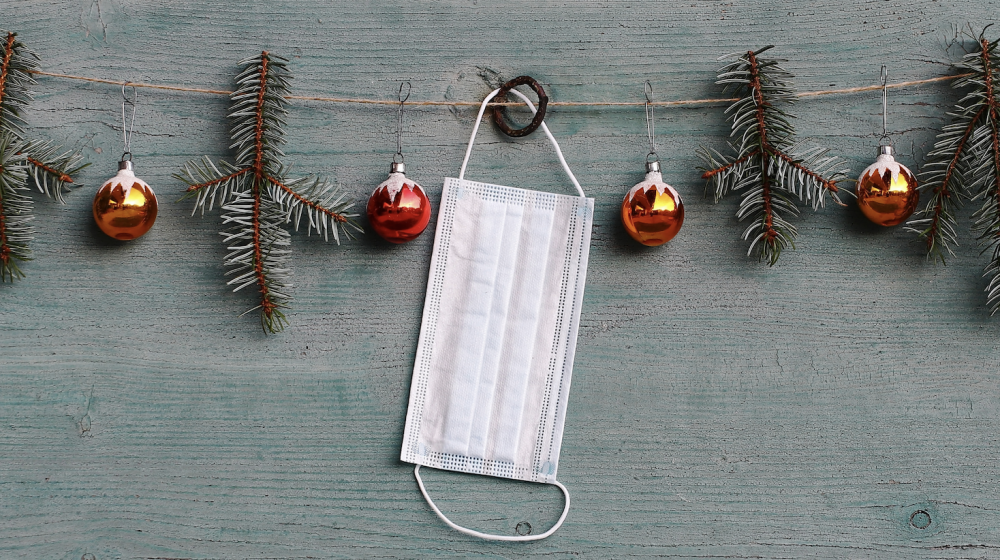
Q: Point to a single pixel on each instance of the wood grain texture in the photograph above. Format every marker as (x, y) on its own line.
(720, 409)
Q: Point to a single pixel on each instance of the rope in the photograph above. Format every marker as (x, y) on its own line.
(804, 94)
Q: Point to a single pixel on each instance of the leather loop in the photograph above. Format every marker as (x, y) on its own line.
(536, 121)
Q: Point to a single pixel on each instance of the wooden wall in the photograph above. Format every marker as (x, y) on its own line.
(720, 408)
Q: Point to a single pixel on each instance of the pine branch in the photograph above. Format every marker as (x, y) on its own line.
(260, 255)
(964, 165)
(49, 169)
(943, 174)
(768, 166)
(15, 64)
(52, 171)
(15, 209)
(209, 185)
(256, 196)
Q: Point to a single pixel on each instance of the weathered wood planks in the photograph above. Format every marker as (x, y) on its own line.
(719, 408)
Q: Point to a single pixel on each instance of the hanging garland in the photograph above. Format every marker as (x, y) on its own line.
(964, 166)
(362, 101)
(255, 195)
(768, 167)
(21, 159)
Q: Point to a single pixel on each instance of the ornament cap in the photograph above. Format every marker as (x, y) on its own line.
(397, 167)
(125, 165)
(885, 150)
(652, 166)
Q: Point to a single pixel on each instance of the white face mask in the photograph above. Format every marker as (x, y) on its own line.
(498, 336)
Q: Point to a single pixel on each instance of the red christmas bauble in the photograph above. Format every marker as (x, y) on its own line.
(399, 210)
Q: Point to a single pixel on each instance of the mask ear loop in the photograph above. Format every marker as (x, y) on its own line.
(487, 536)
(479, 119)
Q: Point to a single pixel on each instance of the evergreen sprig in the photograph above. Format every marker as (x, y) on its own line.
(257, 198)
(769, 167)
(48, 167)
(15, 208)
(964, 166)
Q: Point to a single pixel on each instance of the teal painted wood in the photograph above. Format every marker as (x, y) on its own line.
(719, 408)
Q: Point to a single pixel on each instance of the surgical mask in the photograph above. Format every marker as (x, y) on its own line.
(495, 355)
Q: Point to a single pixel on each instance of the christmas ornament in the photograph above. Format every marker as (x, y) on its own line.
(887, 191)
(24, 161)
(399, 210)
(769, 167)
(255, 195)
(125, 206)
(652, 211)
(964, 165)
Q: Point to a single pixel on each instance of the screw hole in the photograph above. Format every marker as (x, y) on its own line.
(88, 556)
(920, 519)
(523, 528)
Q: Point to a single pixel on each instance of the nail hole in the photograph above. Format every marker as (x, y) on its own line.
(920, 519)
(523, 528)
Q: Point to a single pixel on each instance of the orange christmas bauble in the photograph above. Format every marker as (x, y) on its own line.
(652, 211)
(125, 206)
(887, 191)
(399, 210)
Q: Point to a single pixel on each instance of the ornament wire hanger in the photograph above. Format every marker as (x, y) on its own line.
(650, 125)
(884, 77)
(399, 121)
(127, 127)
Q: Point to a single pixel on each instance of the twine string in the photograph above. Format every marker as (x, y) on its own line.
(360, 101)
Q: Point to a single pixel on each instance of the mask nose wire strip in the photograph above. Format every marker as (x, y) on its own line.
(487, 536)
(479, 119)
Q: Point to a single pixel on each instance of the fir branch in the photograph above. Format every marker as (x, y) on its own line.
(257, 198)
(319, 201)
(50, 169)
(15, 64)
(727, 167)
(261, 256)
(15, 208)
(964, 166)
(942, 174)
(211, 186)
(768, 166)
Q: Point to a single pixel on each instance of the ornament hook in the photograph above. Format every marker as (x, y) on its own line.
(650, 125)
(127, 130)
(884, 77)
(399, 120)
